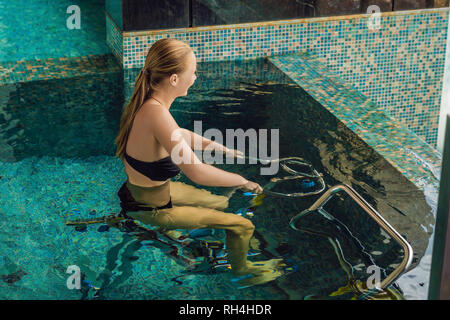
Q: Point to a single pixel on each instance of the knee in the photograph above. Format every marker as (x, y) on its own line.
(245, 227)
(223, 203)
(217, 202)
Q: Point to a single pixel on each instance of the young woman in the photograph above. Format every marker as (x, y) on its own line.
(145, 143)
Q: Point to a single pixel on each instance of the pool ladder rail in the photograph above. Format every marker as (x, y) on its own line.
(407, 249)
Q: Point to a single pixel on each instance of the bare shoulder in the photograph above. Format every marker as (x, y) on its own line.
(149, 107)
(158, 118)
(154, 112)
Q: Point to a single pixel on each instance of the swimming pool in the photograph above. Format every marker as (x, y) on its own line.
(37, 30)
(60, 165)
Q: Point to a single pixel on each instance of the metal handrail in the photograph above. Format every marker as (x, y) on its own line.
(407, 249)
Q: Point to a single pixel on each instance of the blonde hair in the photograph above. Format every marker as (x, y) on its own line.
(165, 57)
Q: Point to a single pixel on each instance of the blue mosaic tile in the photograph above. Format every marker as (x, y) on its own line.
(38, 29)
(409, 154)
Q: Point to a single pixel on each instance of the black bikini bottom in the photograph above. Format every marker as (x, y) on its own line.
(138, 198)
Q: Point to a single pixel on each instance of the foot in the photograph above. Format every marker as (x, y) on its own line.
(258, 272)
(254, 243)
(172, 234)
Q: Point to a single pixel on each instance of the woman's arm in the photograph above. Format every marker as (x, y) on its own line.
(165, 129)
(197, 141)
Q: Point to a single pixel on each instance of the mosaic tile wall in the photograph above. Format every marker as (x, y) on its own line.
(410, 155)
(398, 66)
(114, 38)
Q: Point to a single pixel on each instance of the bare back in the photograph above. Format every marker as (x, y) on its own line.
(142, 145)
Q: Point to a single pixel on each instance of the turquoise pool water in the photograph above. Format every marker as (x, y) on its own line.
(58, 164)
(37, 29)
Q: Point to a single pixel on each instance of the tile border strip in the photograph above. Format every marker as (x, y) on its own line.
(57, 68)
(277, 22)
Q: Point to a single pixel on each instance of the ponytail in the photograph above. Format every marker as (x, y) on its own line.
(165, 57)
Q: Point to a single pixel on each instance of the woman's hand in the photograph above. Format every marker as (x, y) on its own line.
(235, 153)
(252, 187)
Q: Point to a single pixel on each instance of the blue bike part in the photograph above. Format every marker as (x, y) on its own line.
(254, 253)
(306, 184)
(222, 266)
(196, 233)
(89, 284)
(222, 254)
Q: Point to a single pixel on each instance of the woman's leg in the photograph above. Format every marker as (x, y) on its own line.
(238, 231)
(187, 195)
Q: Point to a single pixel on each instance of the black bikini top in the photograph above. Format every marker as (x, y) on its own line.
(159, 170)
